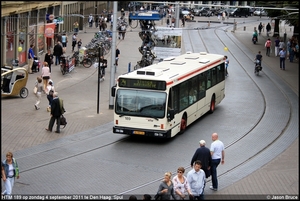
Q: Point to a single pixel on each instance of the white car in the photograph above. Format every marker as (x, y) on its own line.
(261, 12)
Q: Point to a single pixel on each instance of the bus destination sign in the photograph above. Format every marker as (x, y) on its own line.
(142, 84)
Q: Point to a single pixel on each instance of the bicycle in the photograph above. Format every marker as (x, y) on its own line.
(83, 60)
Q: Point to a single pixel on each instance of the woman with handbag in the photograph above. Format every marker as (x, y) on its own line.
(49, 91)
(49, 59)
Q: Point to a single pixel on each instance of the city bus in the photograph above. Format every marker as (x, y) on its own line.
(162, 99)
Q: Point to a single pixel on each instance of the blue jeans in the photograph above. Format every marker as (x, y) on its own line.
(282, 62)
(9, 184)
(214, 176)
(57, 60)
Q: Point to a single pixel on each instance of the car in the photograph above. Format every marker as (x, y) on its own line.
(203, 11)
(260, 12)
(239, 12)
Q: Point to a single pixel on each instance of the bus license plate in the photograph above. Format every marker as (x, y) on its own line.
(139, 132)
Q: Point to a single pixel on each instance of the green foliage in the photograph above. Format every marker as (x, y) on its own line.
(291, 17)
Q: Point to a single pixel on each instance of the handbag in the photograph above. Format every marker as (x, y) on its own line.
(35, 90)
(63, 121)
(157, 197)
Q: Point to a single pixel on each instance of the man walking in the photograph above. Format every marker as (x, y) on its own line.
(282, 55)
(117, 56)
(57, 52)
(203, 154)
(30, 58)
(217, 156)
(196, 180)
(57, 109)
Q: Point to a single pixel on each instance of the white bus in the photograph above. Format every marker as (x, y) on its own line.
(162, 99)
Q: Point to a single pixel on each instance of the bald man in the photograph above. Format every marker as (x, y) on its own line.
(217, 156)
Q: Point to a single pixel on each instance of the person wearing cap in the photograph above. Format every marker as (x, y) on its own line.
(203, 154)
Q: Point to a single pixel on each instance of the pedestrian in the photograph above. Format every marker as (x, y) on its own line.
(282, 56)
(281, 45)
(203, 154)
(147, 197)
(183, 21)
(268, 45)
(96, 21)
(64, 40)
(50, 91)
(10, 171)
(79, 44)
(132, 197)
(38, 94)
(30, 59)
(197, 181)
(181, 185)
(46, 74)
(292, 51)
(166, 188)
(57, 52)
(74, 41)
(276, 44)
(57, 109)
(268, 28)
(168, 21)
(49, 58)
(123, 30)
(76, 27)
(91, 20)
(117, 56)
(217, 156)
(226, 68)
(260, 26)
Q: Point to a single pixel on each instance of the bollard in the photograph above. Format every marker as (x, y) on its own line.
(244, 28)
(129, 66)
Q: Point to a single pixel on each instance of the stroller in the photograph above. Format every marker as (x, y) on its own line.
(36, 65)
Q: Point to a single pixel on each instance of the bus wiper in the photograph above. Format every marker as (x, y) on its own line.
(121, 115)
(154, 118)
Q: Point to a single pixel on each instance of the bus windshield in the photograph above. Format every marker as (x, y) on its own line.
(140, 103)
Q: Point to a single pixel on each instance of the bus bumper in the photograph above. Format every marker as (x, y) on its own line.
(142, 132)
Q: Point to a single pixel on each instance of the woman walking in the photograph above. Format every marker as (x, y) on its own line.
(39, 86)
(10, 170)
(49, 58)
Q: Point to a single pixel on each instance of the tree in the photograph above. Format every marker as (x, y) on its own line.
(290, 17)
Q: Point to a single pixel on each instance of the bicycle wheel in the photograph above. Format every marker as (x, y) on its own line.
(87, 62)
(133, 23)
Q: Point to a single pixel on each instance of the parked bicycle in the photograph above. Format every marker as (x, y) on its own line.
(83, 60)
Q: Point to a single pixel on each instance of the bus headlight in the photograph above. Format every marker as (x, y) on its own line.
(158, 134)
(119, 131)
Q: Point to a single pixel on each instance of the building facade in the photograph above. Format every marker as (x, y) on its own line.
(39, 23)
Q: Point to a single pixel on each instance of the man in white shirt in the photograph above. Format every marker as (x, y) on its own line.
(196, 179)
(217, 155)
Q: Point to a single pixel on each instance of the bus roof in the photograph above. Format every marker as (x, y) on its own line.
(177, 68)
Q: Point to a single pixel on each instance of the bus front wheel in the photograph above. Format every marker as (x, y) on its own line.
(183, 124)
(212, 105)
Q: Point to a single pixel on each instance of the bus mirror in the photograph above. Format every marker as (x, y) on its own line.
(171, 114)
(113, 91)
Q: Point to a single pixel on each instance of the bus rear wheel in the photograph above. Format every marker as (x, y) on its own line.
(212, 105)
(183, 124)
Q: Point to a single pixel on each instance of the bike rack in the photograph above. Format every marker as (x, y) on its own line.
(148, 28)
